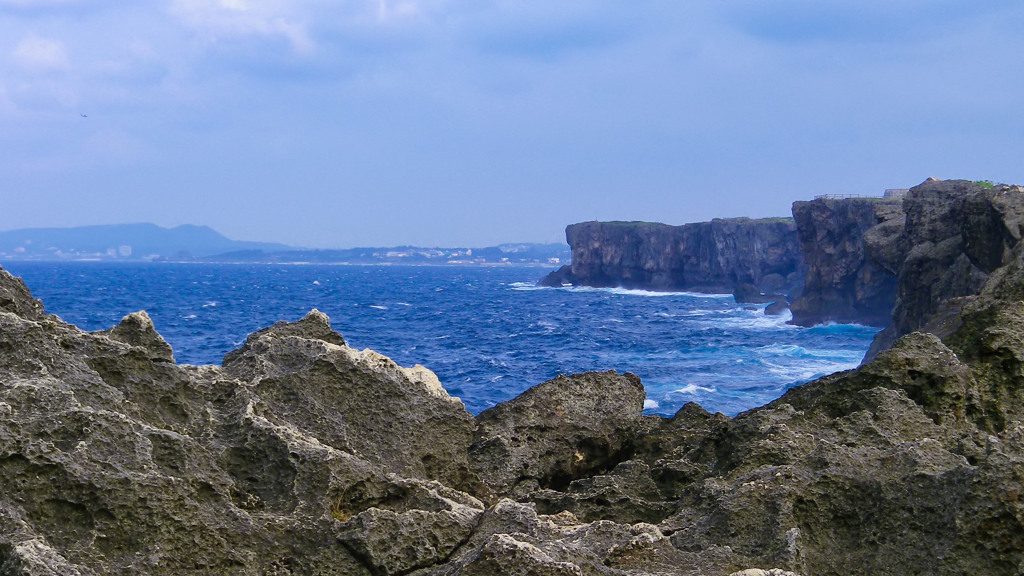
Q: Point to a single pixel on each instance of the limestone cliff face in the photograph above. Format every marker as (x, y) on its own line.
(714, 256)
(955, 235)
(904, 265)
(843, 284)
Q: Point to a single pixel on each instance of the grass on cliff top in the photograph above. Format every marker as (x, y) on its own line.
(626, 223)
(632, 223)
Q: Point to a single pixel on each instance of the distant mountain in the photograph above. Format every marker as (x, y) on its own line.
(122, 242)
(188, 243)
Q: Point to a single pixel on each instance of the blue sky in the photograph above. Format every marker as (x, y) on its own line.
(338, 123)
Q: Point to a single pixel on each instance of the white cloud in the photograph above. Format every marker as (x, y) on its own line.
(232, 18)
(35, 3)
(38, 54)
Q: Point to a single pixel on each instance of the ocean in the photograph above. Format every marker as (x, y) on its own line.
(488, 332)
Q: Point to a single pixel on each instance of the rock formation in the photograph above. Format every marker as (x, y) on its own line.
(714, 256)
(300, 455)
(843, 284)
(956, 234)
(904, 265)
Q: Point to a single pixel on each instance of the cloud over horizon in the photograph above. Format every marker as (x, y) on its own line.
(454, 122)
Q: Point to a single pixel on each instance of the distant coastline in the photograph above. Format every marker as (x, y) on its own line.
(201, 244)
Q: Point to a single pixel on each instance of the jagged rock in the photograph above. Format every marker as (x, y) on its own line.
(627, 494)
(418, 525)
(557, 431)
(114, 460)
(558, 278)
(513, 539)
(137, 329)
(712, 256)
(359, 402)
(777, 308)
(16, 298)
(747, 293)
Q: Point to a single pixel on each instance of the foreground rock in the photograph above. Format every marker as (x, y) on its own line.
(302, 456)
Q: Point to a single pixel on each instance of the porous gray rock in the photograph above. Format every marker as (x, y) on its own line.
(418, 525)
(137, 329)
(556, 432)
(359, 402)
(15, 298)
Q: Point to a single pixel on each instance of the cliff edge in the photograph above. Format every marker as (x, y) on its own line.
(716, 256)
(843, 284)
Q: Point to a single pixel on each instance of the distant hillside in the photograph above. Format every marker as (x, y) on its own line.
(548, 254)
(187, 243)
(121, 242)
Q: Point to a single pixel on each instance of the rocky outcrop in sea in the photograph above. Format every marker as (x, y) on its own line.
(715, 256)
(300, 455)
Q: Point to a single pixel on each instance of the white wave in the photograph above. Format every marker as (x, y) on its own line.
(189, 317)
(378, 307)
(751, 319)
(316, 282)
(827, 354)
(650, 404)
(648, 293)
(692, 389)
(804, 371)
(402, 304)
(210, 305)
(783, 349)
(618, 291)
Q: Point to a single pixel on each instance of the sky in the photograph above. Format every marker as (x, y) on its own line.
(342, 123)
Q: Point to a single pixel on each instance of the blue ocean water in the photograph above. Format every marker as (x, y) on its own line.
(487, 332)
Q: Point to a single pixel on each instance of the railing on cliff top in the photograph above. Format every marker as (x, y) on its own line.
(890, 194)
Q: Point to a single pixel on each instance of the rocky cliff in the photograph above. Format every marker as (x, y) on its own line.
(843, 284)
(956, 234)
(715, 256)
(905, 265)
(301, 455)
